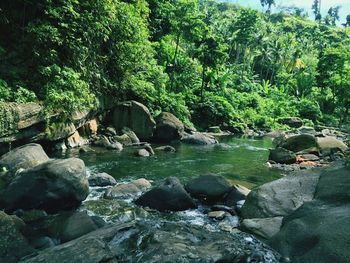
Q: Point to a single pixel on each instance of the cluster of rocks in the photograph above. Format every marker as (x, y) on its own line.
(304, 215)
(306, 149)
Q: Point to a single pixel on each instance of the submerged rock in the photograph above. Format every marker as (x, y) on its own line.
(168, 196)
(54, 185)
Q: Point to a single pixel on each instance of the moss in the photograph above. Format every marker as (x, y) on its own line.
(9, 119)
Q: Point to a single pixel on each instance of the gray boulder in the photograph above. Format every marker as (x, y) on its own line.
(168, 127)
(128, 190)
(263, 227)
(101, 179)
(136, 116)
(281, 197)
(52, 186)
(168, 196)
(330, 145)
(293, 122)
(24, 157)
(208, 188)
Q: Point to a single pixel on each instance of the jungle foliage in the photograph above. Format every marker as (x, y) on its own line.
(207, 62)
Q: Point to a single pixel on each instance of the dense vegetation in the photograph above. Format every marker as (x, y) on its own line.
(205, 61)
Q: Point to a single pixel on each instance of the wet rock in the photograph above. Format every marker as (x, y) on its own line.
(149, 149)
(236, 194)
(263, 227)
(281, 197)
(293, 122)
(102, 141)
(76, 226)
(101, 179)
(166, 148)
(136, 116)
(24, 157)
(111, 131)
(281, 155)
(142, 183)
(330, 145)
(143, 153)
(168, 127)
(42, 242)
(90, 248)
(167, 242)
(123, 139)
(300, 142)
(169, 195)
(208, 188)
(223, 208)
(90, 127)
(13, 245)
(115, 146)
(198, 138)
(52, 186)
(309, 157)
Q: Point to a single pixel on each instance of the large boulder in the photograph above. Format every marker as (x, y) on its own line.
(135, 116)
(168, 127)
(208, 188)
(101, 179)
(198, 138)
(329, 145)
(263, 227)
(281, 197)
(300, 142)
(54, 185)
(316, 232)
(13, 245)
(281, 155)
(24, 157)
(169, 196)
(293, 122)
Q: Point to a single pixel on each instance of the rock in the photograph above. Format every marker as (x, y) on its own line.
(281, 155)
(293, 122)
(208, 188)
(101, 179)
(131, 135)
(136, 116)
(75, 140)
(90, 127)
(115, 146)
(111, 131)
(300, 142)
(61, 146)
(316, 232)
(24, 157)
(123, 139)
(275, 134)
(52, 186)
(76, 226)
(102, 141)
(143, 153)
(307, 130)
(90, 248)
(236, 194)
(309, 157)
(214, 129)
(168, 128)
(329, 145)
(218, 215)
(223, 208)
(127, 190)
(168, 196)
(13, 245)
(42, 242)
(122, 191)
(170, 242)
(166, 148)
(280, 197)
(58, 131)
(198, 138)
(263, 227)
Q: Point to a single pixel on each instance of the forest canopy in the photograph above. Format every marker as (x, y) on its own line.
(207, 62)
